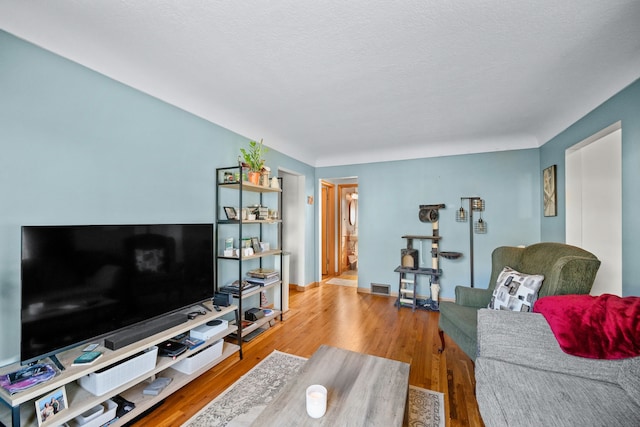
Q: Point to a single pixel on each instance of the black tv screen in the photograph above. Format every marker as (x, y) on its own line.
(83, 282)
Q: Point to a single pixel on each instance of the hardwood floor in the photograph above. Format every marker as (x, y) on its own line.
(341, 317)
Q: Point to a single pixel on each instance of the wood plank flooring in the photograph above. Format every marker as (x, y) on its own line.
(341, 317)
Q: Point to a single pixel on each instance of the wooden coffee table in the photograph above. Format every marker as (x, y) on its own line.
(363, 390)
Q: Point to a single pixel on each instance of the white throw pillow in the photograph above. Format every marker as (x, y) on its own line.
(515, 291)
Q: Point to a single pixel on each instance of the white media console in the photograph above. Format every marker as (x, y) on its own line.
(20, 407)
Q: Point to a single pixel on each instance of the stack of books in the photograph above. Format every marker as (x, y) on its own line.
(262, 212)
(262, 276)
(234, 288)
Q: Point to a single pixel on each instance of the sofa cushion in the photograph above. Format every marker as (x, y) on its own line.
(526, 339)
(629, 377)
(515, 291)
(513, 395)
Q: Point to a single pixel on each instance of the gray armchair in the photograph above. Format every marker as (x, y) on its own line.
(566, 269)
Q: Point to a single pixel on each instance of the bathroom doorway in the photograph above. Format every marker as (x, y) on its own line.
(348, 230)
(339, 231)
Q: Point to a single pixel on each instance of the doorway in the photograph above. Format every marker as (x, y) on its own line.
(594, 203)
(338, 231)
(327, 226)
(348, 230)
(293, 208)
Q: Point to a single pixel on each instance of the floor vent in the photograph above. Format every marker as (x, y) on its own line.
(379, 289)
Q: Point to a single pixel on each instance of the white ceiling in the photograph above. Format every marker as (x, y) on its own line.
(333, 82)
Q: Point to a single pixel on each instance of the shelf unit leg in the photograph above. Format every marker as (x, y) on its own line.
(239, 331)
(399, 291)
(15, 416)
(415, 296)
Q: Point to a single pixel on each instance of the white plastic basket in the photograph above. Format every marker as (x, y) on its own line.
(103, 381)
(192, 363)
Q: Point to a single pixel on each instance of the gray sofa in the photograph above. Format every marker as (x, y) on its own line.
(523, 378)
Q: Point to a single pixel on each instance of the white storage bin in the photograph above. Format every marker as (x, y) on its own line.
(103, 381)
(97, 415)
(197, 360)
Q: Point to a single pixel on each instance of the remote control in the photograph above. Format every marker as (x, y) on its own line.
(216, 307)
(90, 347)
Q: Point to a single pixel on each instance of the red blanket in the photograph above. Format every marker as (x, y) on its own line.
(602, 327)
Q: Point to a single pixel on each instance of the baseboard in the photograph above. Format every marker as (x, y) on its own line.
(359, 290)
(394, 295)
(309, 286)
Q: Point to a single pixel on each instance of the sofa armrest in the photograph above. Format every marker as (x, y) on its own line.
(526, 339)
(571, 275)
(473, 297)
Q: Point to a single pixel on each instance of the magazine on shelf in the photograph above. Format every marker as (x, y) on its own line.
(188, 340)
(27, 377)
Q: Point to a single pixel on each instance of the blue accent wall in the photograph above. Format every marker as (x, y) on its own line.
(625, 107)
(390, 194)
(80, 148)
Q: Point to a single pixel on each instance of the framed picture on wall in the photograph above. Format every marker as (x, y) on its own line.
(550, 203)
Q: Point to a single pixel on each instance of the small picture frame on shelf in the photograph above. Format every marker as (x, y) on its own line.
(230, 212)
(255, 244)
(48, 407)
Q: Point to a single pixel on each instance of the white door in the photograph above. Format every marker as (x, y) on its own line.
(594, 204)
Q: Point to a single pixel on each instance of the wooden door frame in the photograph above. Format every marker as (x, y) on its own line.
(328, 191)
(341, 215)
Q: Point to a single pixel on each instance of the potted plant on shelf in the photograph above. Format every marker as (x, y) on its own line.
(253, 159)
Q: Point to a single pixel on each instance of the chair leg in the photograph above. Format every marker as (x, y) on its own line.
(441, 333)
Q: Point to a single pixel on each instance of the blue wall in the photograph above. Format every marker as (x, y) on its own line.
(390, 193)
(80, 148)
(625, 107)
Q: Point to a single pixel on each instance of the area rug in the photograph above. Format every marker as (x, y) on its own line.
(342, 282)
(242, 403)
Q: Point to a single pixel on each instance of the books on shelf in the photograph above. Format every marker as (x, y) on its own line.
(87, 358)
(234, 288)
(263, 273)
(262, 282)
(262, 276)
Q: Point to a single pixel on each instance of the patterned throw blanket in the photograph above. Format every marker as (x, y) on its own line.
(596, 327)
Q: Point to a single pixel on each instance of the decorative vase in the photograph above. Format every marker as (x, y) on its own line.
(254, 177)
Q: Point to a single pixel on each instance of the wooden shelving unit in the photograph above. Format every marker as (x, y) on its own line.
(20, 407)
(255, 227)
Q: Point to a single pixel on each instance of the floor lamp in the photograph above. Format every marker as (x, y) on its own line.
(480, 226)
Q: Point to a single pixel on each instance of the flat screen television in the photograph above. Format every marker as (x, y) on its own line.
(83, 282)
